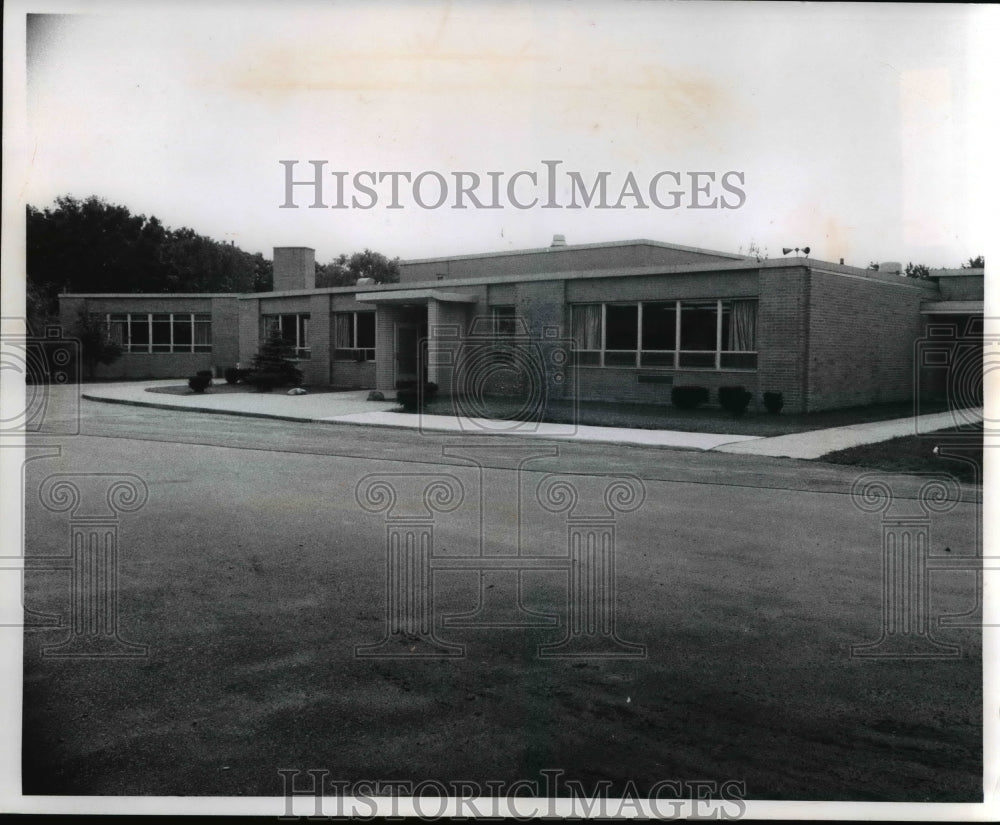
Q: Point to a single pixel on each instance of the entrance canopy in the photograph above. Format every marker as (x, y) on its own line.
(414, 296)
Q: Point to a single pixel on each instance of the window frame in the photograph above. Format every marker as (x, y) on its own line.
(300, 342)
(145, 320)
(354, 353)
(597, 358)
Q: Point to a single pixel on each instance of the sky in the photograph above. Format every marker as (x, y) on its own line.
(856, 130)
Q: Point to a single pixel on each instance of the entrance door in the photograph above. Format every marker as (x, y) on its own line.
(407, 352)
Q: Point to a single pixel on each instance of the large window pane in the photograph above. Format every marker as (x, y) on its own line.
(587, 326)
(161, 333)
(698, 326)
(659, 325)
(138, 333)
(623, 327)
(366, 330)
(203, 333)
(182, 332)
(701, 360)
(739, 331)
(657, 359)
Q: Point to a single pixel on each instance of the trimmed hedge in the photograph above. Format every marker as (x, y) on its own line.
(773, 402)
(688, 397)
(234, 375)
(734, 399)
(201, 381)
(412, 397)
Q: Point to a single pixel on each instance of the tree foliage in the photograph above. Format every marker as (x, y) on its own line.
(274, 364)
(916, 271)
(345, 271)
(93, 246)
(96, 345)
(979, 262)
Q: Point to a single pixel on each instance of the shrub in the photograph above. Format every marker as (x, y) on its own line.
(773, 402)
(734, 399)
(200, 382)
(207, 373)
(413, 397)
(688, 397)
(273, 366)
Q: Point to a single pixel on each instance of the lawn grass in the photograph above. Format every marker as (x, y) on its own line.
(665, 417)
(916, 453)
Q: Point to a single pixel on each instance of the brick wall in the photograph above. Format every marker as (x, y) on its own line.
(782, 335)
(225, 333)
(961, 288)
(141, 365)
(354, 375)
(861, 338)
(249, 321)
(316, 370)
(447, 326)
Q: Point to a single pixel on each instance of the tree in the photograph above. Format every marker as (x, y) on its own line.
(975, 263)
(335, 273)
(344, 271)
(916, 271)
(96, 344)
(274, 365)
(91, 245)
(374, 265)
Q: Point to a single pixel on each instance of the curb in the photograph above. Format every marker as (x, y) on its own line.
(417, 428)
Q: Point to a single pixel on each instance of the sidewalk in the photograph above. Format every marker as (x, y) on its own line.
(820, 442)
(354, 408)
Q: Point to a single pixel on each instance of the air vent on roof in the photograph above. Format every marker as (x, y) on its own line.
(558, 240)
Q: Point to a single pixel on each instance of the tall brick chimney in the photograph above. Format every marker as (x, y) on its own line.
(294, 268)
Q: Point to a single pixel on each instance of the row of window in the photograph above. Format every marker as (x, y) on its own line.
(719, 334)
(160, 331)
(353, 334)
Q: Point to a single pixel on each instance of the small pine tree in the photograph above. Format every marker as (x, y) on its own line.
(273, 365)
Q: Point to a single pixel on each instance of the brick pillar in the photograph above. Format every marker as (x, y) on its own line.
(317, 369)
(386, 317)
(249, 320)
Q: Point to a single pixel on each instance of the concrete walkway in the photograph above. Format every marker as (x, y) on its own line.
(354, 408)
(820, 442)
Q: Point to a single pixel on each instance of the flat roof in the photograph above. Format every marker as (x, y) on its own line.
(619, 272)
(957, 273)
(574, 247)
(154, 294)
(951, 307)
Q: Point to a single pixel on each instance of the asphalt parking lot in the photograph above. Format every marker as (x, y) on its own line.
(253, 573)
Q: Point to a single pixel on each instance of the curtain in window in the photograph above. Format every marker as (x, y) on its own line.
(118, 330)
(342, 331)
(743, 327)
(202, 333)
(587, 326)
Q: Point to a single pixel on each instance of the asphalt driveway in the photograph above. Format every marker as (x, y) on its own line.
(252, 574)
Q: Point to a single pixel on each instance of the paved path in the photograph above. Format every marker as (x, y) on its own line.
(354, 408)
(820, 442)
